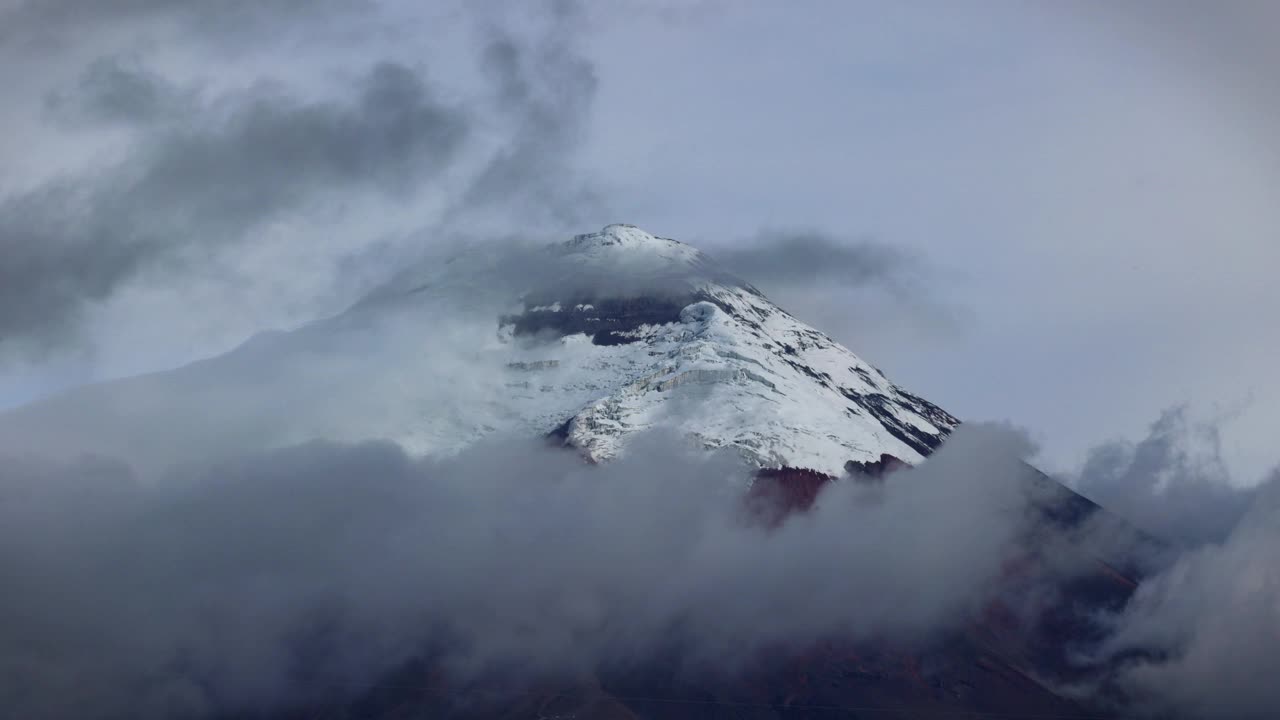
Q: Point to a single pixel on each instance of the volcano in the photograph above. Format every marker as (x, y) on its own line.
(590, 343)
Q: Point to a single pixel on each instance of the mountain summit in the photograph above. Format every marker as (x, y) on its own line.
(589, 341)
(711, 356)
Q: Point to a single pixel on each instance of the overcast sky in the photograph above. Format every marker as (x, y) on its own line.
(1062, 214)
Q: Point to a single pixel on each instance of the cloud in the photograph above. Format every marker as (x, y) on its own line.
(219, 170)
(1200, 639)
(281, 189)
(1172, 483)
(205, 592)
(545, 92)
(861, 290)
(121, 90)
(807, 258)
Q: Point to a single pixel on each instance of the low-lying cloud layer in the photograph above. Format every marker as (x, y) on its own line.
(281, 577)
(195, 583)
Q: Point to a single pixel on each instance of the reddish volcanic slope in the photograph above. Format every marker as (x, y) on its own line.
(778, 492)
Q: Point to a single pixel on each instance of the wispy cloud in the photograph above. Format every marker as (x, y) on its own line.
(231, 164)
(261, 168)
(1172, 483)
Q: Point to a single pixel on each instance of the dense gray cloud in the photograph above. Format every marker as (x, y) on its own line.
(1200, 639)
(210, 580)
(1172, 483)
(221, 168)
(204, 592)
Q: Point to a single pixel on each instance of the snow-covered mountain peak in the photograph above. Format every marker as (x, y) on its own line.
(622, 235)
(626, 253)
(675, 341)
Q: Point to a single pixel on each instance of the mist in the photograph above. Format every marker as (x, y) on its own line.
(1172, 483)
(1215, 614)
(850, 287)
(1202, 630)
(305, 573)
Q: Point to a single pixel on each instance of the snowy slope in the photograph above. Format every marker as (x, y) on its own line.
(591, 341)
(725, 366)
